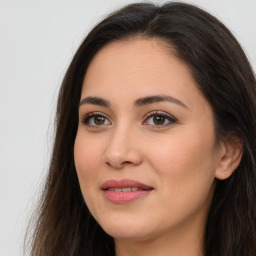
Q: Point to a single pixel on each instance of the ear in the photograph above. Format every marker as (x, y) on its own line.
(231, 151)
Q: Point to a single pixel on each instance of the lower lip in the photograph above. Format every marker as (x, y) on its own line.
(124, 197)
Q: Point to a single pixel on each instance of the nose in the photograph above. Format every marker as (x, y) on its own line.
(123, 149)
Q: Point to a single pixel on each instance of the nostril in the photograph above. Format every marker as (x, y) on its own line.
(126, 163)
(119, 165)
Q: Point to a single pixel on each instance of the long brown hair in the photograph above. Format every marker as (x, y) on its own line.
(64, 225)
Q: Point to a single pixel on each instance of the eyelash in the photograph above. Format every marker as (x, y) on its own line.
(171, 120)
(86, 119)
(167, 117)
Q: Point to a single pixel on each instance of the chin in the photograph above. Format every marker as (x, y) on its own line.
(121, 234)
(124, 228)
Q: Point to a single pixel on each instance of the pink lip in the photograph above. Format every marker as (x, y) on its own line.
(124, 196)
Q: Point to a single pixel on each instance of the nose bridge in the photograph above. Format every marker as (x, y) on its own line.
(122, 148)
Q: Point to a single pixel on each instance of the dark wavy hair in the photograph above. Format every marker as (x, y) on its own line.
(64, 225)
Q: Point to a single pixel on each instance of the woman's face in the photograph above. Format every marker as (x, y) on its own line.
(145, 149)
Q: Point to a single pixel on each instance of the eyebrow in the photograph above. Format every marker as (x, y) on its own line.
(139, 102)
(158, 98)
(95, 101)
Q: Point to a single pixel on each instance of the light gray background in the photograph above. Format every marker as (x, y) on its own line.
(37, 41)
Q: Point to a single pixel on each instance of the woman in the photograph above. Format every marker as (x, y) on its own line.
(155, 142)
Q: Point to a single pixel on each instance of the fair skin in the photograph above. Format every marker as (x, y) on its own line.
(167, 143)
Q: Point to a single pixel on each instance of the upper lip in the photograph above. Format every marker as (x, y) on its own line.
(125, 183)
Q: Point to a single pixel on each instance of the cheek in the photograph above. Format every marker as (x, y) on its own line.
(179, 151)
(87, 158)
(186, 174)
(184, 163)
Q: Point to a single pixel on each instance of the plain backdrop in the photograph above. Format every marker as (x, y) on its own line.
(37, 41)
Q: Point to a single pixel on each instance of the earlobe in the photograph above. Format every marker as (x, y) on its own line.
(231, 152)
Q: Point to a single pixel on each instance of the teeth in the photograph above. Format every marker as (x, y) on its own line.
(123, 189)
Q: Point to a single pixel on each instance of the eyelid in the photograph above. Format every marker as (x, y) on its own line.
(171, 118)
(85, 118)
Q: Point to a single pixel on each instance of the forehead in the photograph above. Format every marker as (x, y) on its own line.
(145, 57)
(138, 67)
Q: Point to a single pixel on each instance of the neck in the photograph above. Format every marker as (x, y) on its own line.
(183, 241)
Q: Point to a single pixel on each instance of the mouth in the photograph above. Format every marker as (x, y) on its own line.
(124, 191)
(125, 185)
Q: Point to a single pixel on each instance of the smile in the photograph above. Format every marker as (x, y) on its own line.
(124, 191)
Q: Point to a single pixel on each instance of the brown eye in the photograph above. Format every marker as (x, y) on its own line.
(95, 120)
(99, 120)
(159, 120)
